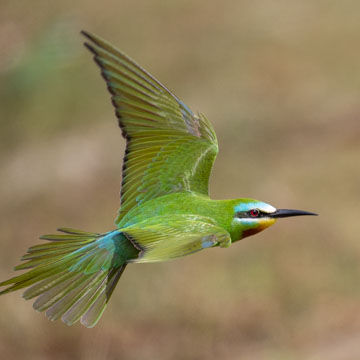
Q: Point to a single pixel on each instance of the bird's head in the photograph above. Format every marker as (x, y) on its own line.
(252, 216)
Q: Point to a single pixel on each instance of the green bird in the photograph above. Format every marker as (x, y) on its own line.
(165, 211)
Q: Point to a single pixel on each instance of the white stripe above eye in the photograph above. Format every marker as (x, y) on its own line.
(246, 206)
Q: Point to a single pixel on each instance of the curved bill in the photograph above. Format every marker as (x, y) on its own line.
(280, 213)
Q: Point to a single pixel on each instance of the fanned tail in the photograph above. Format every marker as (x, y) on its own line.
(74, 275)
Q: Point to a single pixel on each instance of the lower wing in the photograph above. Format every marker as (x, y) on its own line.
(164, 238)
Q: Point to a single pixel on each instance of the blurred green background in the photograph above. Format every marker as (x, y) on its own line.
(280, 81)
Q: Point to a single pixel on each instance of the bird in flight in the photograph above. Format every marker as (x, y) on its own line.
(165, 211)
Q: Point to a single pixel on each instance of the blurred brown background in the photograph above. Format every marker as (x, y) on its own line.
(280, 81)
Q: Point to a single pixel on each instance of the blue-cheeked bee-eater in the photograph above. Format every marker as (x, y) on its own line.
(165, 211)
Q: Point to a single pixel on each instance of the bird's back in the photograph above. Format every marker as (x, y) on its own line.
(187, 203)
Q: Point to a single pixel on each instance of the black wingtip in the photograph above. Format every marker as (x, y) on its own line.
(94, 45)
(89, 46)
(86, 34)
(93, 38)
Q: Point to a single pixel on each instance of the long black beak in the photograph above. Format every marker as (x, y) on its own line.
(280, 213)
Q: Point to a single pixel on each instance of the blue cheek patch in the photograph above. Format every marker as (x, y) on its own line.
(250, 222)
(247, 223)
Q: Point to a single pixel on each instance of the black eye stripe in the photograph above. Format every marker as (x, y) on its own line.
(247, 214)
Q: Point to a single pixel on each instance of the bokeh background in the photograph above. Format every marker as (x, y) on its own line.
(280, 81)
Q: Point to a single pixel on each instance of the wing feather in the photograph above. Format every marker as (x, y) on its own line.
(169, 148)
(188, 234)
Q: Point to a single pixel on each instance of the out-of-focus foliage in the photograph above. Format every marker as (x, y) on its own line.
(280, 81)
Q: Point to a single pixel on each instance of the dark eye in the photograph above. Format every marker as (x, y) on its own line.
(254, 213)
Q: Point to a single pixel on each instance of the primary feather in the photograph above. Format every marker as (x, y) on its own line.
(160, 131)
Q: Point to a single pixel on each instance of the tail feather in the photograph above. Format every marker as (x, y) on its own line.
(74, 275)
(95, 311)
(47, 284)
(92, 304)
(62, 299)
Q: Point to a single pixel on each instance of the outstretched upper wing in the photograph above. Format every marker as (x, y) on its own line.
(169, 149)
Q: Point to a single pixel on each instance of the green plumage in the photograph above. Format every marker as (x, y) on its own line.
(165, 210)
(74, 275)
